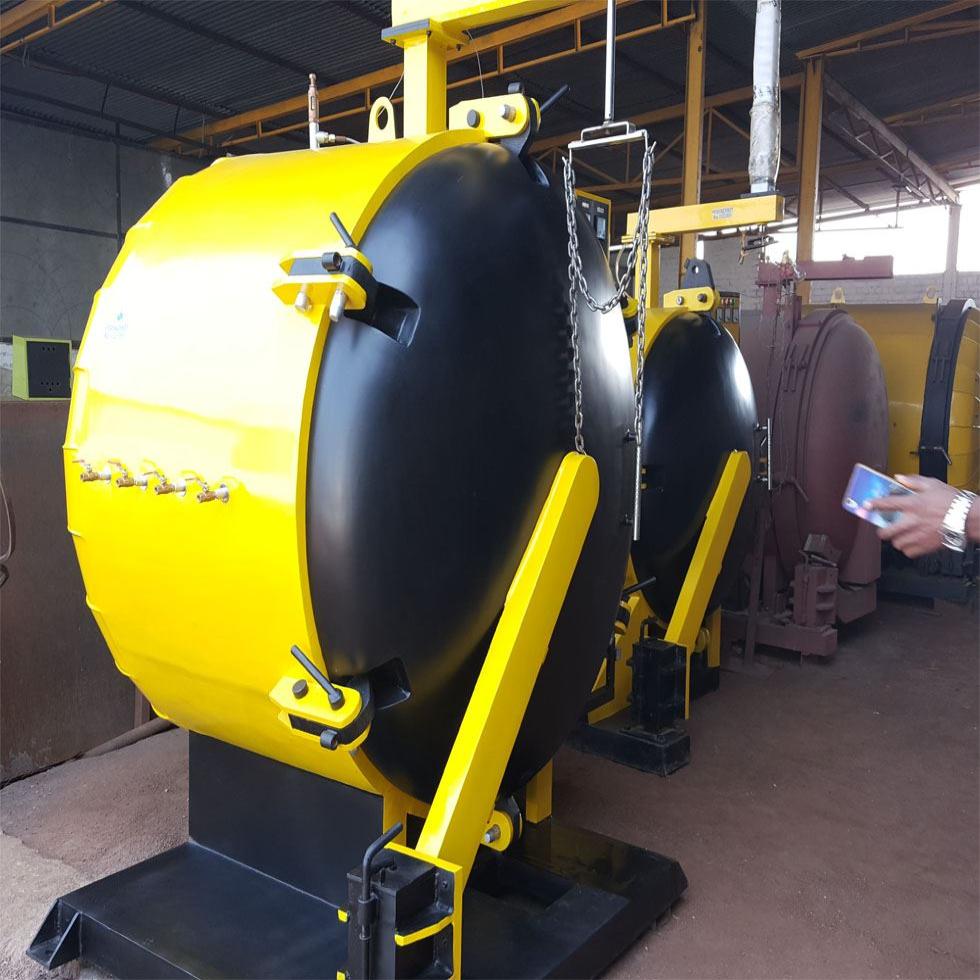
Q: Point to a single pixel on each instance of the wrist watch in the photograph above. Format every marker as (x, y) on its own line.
(953, 530)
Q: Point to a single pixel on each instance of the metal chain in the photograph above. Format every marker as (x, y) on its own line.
(577, 284)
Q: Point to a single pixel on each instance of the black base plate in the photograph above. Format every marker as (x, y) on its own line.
(563, 902)
(619, 740)
(911, 582)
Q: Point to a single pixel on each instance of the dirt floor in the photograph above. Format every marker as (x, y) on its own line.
(828, 822)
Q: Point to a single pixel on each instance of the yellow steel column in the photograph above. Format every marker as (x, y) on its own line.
(812, 123)
(425, 83)
(693, 128)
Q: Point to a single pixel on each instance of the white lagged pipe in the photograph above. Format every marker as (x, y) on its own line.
(765, 130)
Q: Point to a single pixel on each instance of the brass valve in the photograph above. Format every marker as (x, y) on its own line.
(90, 475)
(207, 495)
(178, 486)
(124, 479)
(163, 487)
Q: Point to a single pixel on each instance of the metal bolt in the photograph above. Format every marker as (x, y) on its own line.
(493, 834)
(300, 689)
(702, 297)
(473, 119)
(679, 301)
(302, 301)
(508, 112)
(337, 305)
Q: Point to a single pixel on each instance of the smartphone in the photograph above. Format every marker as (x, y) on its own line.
(868, 484)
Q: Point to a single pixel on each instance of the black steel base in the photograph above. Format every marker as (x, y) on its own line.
(911, 582)
(620, 740)
(562, 902)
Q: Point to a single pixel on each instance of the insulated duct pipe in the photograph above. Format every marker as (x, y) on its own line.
(610, 110)
(765, 131)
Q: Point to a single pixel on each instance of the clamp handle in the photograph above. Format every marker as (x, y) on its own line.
(345, 235)
(334, 696)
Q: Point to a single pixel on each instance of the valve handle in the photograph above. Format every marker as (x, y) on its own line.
(553, 98)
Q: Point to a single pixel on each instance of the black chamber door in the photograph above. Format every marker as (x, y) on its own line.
(698, 407)
(431, 456)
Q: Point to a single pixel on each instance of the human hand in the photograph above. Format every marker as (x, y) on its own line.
(918, 531)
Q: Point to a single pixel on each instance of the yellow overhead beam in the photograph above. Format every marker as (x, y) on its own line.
(26, 13)
(730, 97)
(31, 11)
(955, 108)
(461, 15)
(743, 212)
(570, 16)
(853, 43)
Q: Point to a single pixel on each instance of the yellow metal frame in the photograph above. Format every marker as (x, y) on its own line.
(688, 219)
(463, 806)
(687, 626)
(427, 30)
(745, 212)
(702, 573)
(470, 782)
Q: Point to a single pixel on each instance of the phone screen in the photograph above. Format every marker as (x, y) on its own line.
(867, 484)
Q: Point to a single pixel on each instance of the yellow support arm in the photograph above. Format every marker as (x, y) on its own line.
(465, 797)
(702, 573)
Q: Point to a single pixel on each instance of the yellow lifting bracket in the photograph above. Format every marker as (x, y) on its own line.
(701, 299)
(471, 780)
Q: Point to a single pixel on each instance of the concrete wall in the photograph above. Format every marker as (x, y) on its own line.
(60, 693)
(722, 255)
(48, 275)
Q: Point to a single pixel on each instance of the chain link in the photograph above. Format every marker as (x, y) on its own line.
(577, 284)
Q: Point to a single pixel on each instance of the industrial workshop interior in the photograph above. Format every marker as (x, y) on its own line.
(488, 489)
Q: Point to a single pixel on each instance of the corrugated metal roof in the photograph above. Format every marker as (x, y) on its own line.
(172, 64)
